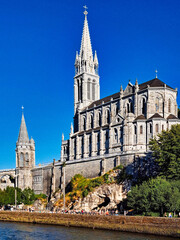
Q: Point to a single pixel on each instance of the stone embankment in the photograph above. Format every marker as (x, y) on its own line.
(149, 225)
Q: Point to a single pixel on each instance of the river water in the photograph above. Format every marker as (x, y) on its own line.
(46, 232)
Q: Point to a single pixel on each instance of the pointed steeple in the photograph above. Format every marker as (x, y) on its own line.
(95, 59)
(23, 134)
(86, 48)
(77, 58)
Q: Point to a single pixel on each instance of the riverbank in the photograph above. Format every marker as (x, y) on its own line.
(149, 225)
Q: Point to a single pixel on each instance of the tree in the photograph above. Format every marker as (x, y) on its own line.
(166, 150)
(28, 196)
(155, 195)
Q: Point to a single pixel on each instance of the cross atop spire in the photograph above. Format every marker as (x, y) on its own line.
(86, 48)
(85, 12)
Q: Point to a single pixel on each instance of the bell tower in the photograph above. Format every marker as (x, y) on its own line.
(25, 157)
(86, 80)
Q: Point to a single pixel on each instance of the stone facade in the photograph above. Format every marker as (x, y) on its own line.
(118, 125)
(106, 132)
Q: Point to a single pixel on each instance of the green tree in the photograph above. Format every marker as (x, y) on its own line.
(155, 195)
(166, 150)
(28, 196)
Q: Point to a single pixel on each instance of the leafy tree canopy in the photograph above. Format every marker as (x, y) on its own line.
(166, 150)
(155, 195)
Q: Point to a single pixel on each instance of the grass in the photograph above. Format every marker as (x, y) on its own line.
(80, 187)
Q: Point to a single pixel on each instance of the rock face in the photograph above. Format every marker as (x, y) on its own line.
(106, 196)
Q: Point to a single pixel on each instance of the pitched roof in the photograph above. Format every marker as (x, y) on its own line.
(153, 83)
(171, 116)
(140, 117)
(105, 100)
(23, 134)
(156, 115)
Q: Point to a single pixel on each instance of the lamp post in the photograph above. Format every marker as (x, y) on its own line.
(15, 191)
(16, 175)
(64, 186)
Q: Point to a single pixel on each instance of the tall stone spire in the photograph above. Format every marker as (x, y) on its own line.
(86, 48)
(86, 79)
(25, 156)
(23, 134)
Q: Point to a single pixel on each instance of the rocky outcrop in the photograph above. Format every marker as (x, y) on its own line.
(107, 196)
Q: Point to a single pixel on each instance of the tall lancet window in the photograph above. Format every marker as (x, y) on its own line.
(91, 121)
(93, 90)
(84, 123)
(157, 104)
(116, 135)
(27, 159)
(143, 106)
(98, 143)
(82, 146)
(107, 141)
(107, 116)
(21, 162)
(169, 105)
(74, 148)
(88, 89)
(90, 145)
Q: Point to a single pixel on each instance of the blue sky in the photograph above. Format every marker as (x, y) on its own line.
(38, 42)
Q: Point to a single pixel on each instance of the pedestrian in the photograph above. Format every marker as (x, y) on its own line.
(170, 215)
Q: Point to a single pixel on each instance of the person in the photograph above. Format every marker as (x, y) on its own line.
(170, 215)
(165, 214)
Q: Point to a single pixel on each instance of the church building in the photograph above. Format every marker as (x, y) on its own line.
(106, 131)
(120, 124)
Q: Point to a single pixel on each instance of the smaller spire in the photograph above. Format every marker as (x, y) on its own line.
(77, 58)
(95, 59)
(121, 89)
(62, 137)
(72, 128)
(136, 83)
(23, 134)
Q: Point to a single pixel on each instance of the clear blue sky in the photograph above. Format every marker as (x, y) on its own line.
(38, 42)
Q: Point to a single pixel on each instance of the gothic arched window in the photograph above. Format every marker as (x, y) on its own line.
(157, 128)
(116, 135)
(157, 104)
(74, 148)
(90, 145)
(98, 144)
(150, 128)
(21, 163)
(135, 130)
(88, 88)
(107, 116)
(82, 146)
(117, 108)
(91, 121)
(84, 123)
(169, 105)
(27, 159)
(99, 119)
(141, 129)
(143, 106)
(93, 89)
(107, 141)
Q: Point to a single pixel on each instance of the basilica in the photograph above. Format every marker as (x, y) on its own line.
(120, 124)
(106, 131)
